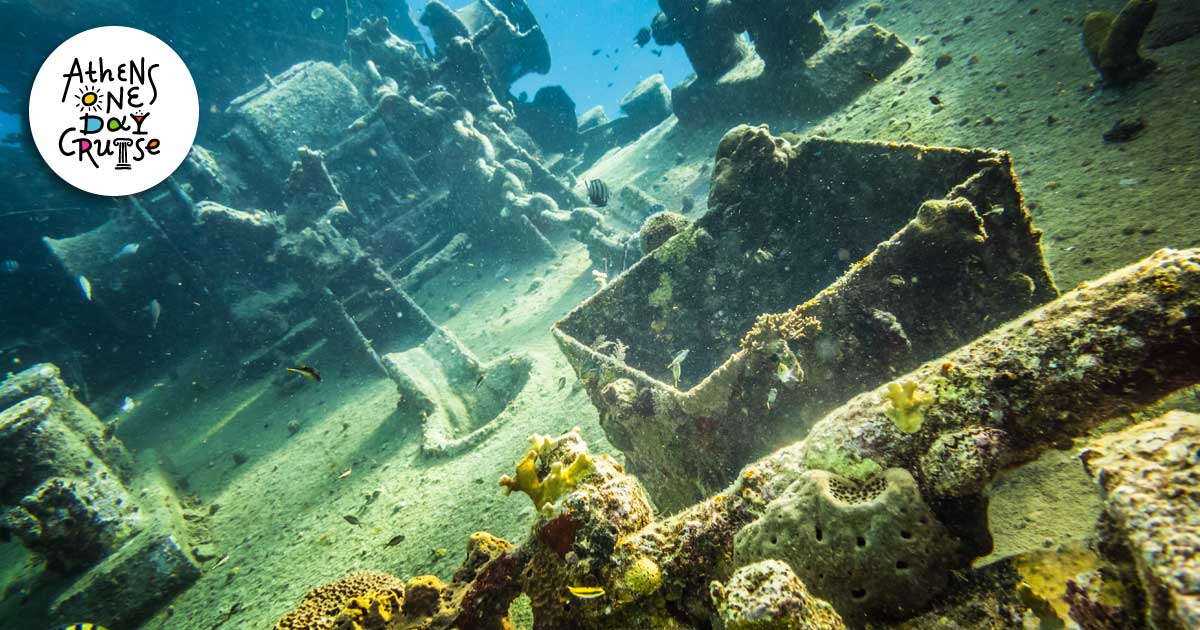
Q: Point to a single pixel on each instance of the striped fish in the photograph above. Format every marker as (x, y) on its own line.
(586, 592)
(84, 626)
(597, 192)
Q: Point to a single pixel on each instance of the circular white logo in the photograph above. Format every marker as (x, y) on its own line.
(113, 111)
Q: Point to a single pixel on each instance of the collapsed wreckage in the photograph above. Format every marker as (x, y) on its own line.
(867, 516)
(883, 402)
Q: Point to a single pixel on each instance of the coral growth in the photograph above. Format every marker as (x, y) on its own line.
(907, 401)
(1045, 575)
(871, 549)
(369, 612)
(589, 524)
(767, 595)
(1150, 477)
(659, 227)
(423, 596)
(962, 462)
(325, 602)
(559, 479)
(643, 577)
(477, 599)
(788, 326)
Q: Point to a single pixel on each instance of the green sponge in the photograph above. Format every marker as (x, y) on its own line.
(1112, 41)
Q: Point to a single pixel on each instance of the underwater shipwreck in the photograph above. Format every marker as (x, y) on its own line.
(806, 361)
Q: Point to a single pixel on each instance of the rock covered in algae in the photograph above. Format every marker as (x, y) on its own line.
(1150, 477)
(871, 549)
(767, 595)
(659, 227)
(962, 462)
(576, 544)
(322, 604)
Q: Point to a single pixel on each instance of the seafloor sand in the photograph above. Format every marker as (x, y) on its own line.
(280, 519)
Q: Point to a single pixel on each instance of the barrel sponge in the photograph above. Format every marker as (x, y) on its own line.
(322, 604)
(659, 227)
(767, 595)
(872, 549)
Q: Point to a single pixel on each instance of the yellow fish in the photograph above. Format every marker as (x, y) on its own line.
(586, 592)
(307, 372)
(84, 626)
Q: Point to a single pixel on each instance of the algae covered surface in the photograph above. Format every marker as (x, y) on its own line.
(672, 480)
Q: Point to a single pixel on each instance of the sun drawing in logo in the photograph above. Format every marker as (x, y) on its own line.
(89, 100)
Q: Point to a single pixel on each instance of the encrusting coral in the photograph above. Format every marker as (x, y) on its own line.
(659, 227)
(476, 599)
(767, 595)
(369, 612)
(1149, 475)
(322, 604)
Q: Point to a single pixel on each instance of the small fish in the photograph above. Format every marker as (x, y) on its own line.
(643, 37)
(317, 12)
(155, 310)
(223, 560)
(83, 626)
(596, 52)
(127, 251)
(562, 382)
(307, 372)
(772, 394)
(352, 519)
(676, 365)
(10, 266)
(345, 473)
(395, 540)
(85, 285)
(586, 592)
(597, 192)
(480, 380)
(657, 52)
(935, 100)
(763, 256)
(787, 373)
(128, 405)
